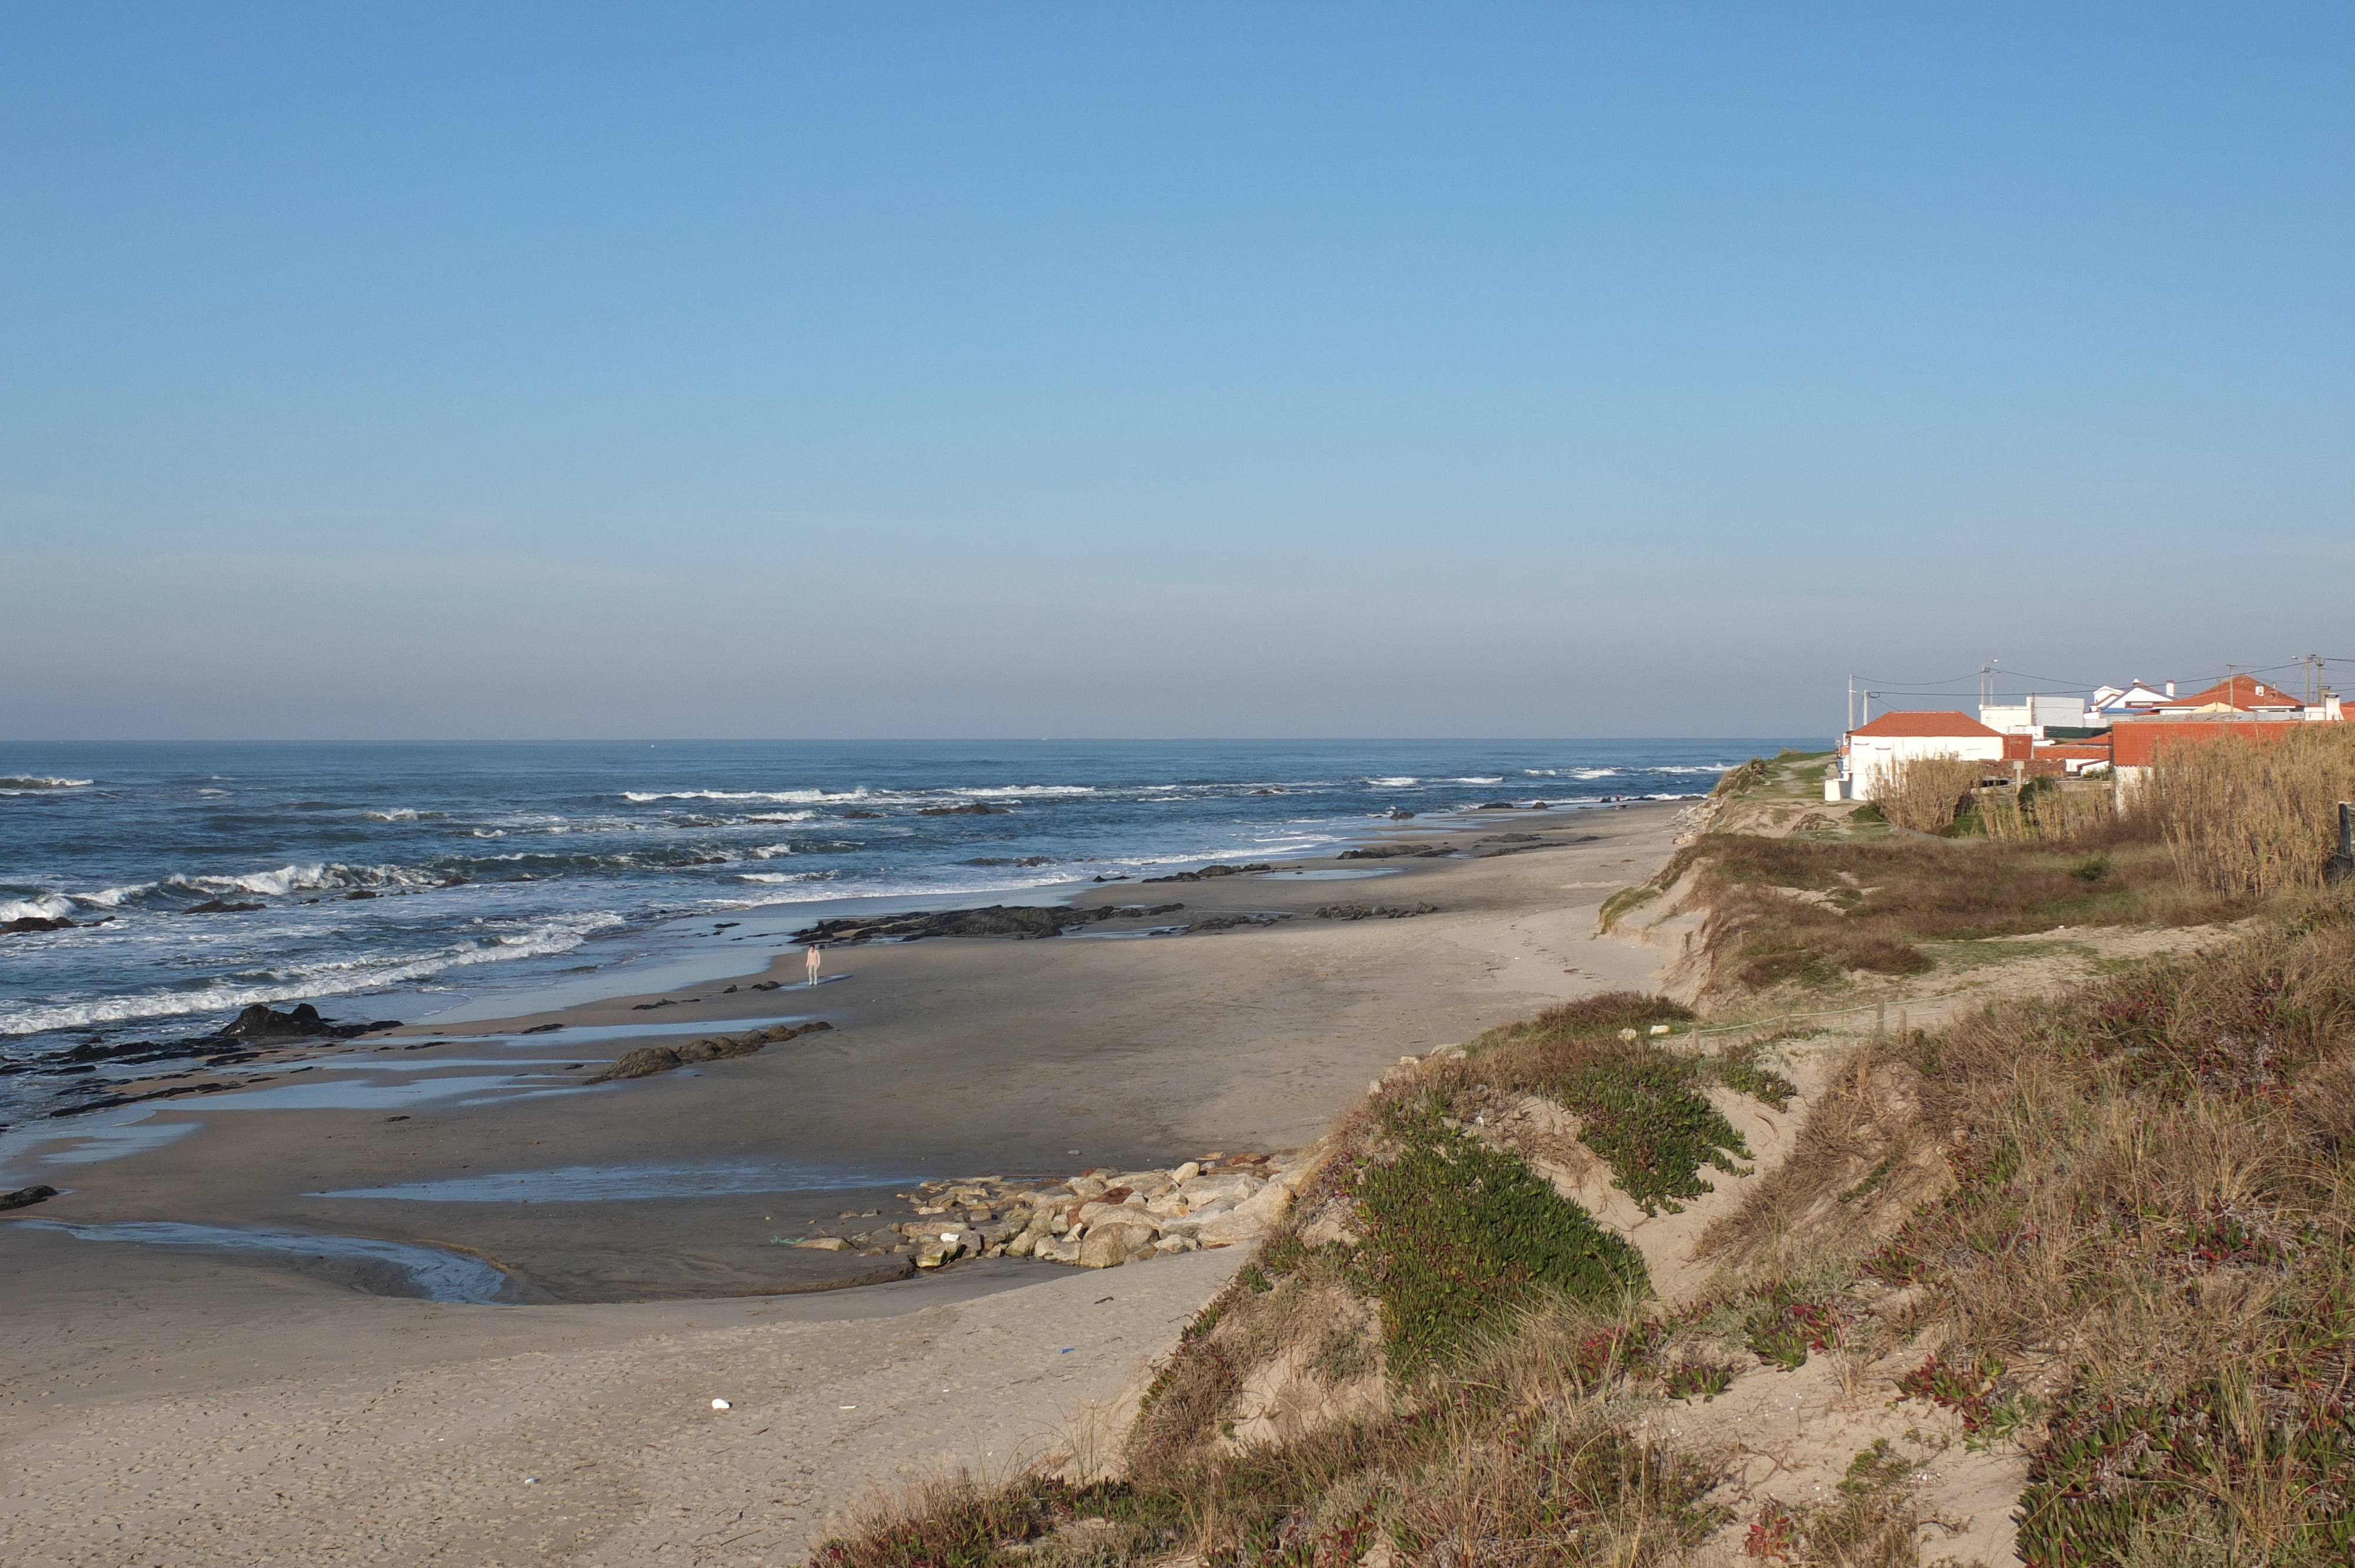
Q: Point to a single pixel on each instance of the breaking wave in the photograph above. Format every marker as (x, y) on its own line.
(774, 797)
(24, 783)
(47, 907)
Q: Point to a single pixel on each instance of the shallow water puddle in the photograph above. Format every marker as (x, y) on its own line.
(380, 1267)
(600, 1183)
(104, 1134)
(343, 1094)
(1332, 873)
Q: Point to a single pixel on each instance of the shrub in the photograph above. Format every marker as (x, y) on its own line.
(2046, 809)
(1925, 793)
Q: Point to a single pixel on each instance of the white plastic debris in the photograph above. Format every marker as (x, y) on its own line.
(722, 1405)
(531, 1481)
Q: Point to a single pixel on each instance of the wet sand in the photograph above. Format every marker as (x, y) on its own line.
(949, 1057)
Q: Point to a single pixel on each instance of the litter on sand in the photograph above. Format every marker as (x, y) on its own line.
(722, 1405)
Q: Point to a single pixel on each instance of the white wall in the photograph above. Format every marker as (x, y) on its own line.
(1870, 756)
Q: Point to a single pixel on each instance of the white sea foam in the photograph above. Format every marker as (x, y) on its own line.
(1592, 773)
(1395, 783)
(112, 897)
(398, 814)
(773, 797)
(1499, 778)
(1010, 791)
(774, 877)
(311, 878)
(1541, 772)
(780, 816)
(307, 983)
(48, 906)
(768, 852)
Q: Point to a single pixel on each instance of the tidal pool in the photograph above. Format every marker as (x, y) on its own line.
(379, 1268)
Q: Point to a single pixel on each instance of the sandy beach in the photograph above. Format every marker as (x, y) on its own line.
(173, 1405)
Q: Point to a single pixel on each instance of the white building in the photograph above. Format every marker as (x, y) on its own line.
(1871, 751)
(2034, 716)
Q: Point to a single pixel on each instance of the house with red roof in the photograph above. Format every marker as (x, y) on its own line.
(1872, 751)
(2242, 694)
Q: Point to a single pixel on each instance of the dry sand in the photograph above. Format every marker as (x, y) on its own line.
(178, 1407)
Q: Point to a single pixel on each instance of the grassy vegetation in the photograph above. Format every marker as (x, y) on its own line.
(2152, 1207)
(1456, 1233)
(1810, 912)
(2110, 1234)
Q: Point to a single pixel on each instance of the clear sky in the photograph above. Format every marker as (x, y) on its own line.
(924, 369)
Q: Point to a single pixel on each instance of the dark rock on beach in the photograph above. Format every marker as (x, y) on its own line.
(1396, 851)
(302, 1022)
(25, 1197)
(1208, 872)
(1374, 911)
(1021, 920)
(1229, 922)
(647, 1060)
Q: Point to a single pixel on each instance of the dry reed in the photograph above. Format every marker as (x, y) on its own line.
(2251, 818)
(2046, 810)
(1925, 793)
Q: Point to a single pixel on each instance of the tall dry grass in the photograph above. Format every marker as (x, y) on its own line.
(1926, 793)
(2047, 811)
(2250, 819)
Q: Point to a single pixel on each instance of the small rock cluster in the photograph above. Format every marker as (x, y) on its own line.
(1099, 1219)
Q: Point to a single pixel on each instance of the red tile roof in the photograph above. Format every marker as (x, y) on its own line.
(2241, 692)
(1935, 724)
(2139, 745)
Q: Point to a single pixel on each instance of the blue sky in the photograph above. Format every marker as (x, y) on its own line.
(1076, 370)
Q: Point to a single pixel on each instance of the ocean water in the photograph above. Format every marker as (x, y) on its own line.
(402, 879)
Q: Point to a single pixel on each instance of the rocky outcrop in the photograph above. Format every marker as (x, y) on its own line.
(971, 808)
(648, 1060)
(1208, 872)
(1229, 922)
(1374, 911)
(1396, 851)
(25, 923)
(301, 1022)
(25, 1197)
(1023, 921)
(215, 907)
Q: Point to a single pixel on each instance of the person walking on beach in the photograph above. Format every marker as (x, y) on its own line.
(811, 960)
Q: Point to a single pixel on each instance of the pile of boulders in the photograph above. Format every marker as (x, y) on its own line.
(1099, 1219)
